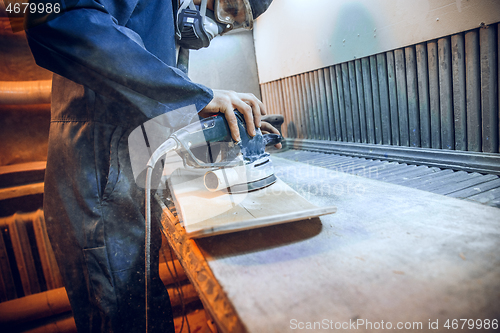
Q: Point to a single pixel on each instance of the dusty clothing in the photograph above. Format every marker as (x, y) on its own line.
(114, 70)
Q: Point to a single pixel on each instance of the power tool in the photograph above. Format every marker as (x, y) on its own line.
(222, 186)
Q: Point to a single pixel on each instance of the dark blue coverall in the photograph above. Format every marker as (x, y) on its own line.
(114, 69)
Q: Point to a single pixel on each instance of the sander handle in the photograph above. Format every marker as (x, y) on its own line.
(272, 139)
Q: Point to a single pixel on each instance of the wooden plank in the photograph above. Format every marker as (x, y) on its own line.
(384, 99)
(24, 258)
(314, 111)
(361, 100)
(393, 98)
(377, 113)
(225, 213)
(282, 109)
(195, 265)
(313, 76)
(336, 104)
(307, 107)
(318, 128)
(419, 171)
(50, 268)
(432, 54)
(441, 180)
(272, 97)
(294, 105)
(321, 101)
(402, 96)
(473, 91)
(288, 95)
(491, 197)
(21, 191)
(347, 102)
(310, 107)
(319, 105)
(459, 93)
(476, 189)
(489, 88)
(354, 102)
(287, 109)
(391, 169)
(7, 285)
(447, 182)
(436, 172)
(475, 179)
(330, 108)
(413, 105)
(402, 170)
(324, 77)
(342, 107)
(446, 94)
(301, 107)
(263, 94)
(423, 96)
(368, 100)
(22, 173)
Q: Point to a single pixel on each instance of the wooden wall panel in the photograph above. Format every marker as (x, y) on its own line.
(432, 54)
(473, 91)
(423, 95)
(383, 84)
(402, 96)
(348, 102)
(459, 94)
(368, 100)
(440, 94)
(412, 86)
(393, 98)
(377, 113)
(330, 104)
(326, 112)
(446, 94)
(489, 88)
(361, 100)
(340, 89)
(354, 102)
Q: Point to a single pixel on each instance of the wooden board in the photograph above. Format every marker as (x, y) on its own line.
(204, 213)
(360, 262)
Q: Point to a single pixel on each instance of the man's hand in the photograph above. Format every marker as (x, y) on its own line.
(248, 105)
(268, 128)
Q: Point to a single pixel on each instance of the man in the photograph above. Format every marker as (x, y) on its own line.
(114, 69)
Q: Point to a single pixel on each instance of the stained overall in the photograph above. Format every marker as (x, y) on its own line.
(114, 70)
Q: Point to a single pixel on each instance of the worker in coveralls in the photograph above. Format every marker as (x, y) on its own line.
(114, 69)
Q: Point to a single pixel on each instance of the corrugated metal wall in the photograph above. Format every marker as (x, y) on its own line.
(439, 94)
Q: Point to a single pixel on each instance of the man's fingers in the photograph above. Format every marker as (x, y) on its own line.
(248, 105)
(247, 112)
(232, 123)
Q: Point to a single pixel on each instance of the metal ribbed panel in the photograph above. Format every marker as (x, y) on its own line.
(481, 188)
(439, 94)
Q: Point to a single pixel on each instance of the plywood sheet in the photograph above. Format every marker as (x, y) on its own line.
(204, 213)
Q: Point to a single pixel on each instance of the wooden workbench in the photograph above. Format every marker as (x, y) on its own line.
(390, 254)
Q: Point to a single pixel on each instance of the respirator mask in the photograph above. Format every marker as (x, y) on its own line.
(196, 25)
